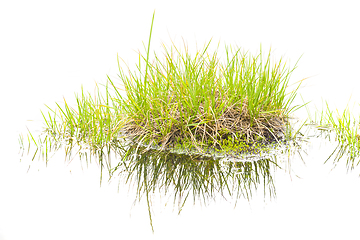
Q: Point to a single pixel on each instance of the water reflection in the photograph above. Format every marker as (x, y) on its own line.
(183, 175)
(344, 151)
(198, 177)
(347, 151)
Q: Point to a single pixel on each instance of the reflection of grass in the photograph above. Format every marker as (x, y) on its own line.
(197, 101)
(347, 132)
(200, 179)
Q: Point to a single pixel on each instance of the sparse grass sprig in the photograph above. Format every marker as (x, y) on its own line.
(94, 124)
(346, 129)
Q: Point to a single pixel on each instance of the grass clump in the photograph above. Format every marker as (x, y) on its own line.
(200, 99)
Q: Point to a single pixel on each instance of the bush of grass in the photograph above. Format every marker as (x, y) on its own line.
(201, 100)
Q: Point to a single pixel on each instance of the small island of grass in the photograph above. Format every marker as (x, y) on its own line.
(201, 102)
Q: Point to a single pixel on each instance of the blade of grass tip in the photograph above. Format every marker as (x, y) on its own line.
(49, 108)
(297, 107)
(182, 205)
(61, 111)
(148, 48)
(307, 108)
(46, 150)
(37, 149)
(32, 137)
(46, 122)
(29, 144)
(21, 142)
(113, 85)
(295, 134)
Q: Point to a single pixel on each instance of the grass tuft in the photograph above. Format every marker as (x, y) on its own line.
(199, 99)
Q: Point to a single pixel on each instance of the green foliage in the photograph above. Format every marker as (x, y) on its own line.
(199, 98)
(346, 129)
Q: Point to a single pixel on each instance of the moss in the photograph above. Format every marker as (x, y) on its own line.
(225, 145)
(241, 146)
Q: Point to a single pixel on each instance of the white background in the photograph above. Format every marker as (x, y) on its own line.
(49, 49)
